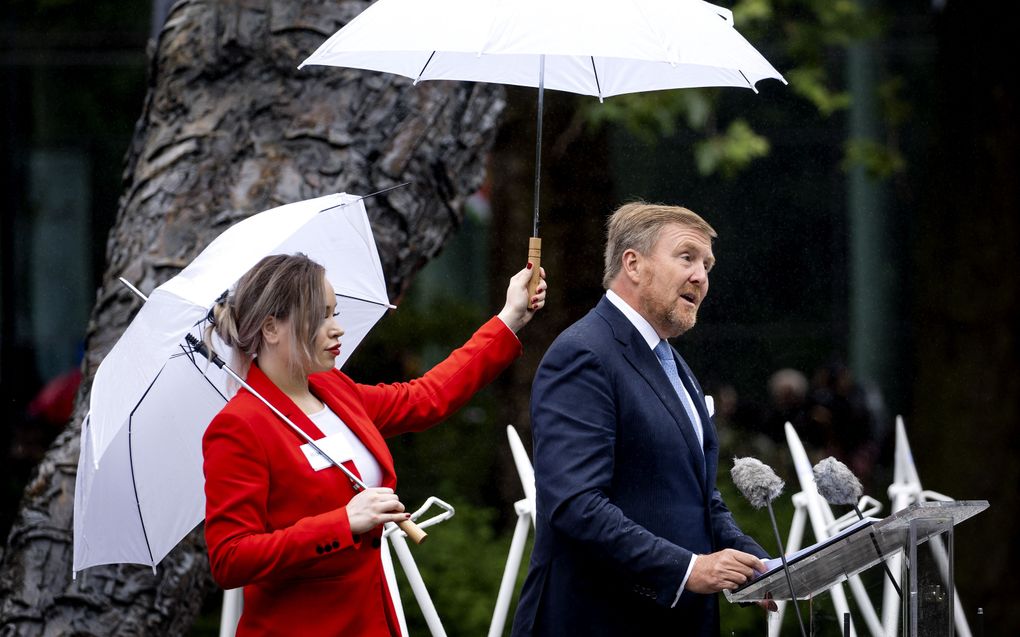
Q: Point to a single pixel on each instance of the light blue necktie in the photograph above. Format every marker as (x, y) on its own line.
(665, 355)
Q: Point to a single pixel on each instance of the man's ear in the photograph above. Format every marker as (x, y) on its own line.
(632, 265)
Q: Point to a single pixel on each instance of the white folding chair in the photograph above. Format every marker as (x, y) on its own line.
(812, 506)
(393, 535)
(525, 510)
(230, 612)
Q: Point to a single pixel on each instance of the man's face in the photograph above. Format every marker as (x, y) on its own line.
(674, 279)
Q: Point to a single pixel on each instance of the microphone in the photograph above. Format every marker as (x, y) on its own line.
(758, 483)
(838, 485)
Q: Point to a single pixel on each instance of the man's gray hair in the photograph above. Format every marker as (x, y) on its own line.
(636, 226)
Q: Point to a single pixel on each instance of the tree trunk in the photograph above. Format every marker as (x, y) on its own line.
(231, 127)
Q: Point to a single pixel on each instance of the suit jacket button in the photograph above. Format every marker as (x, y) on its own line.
(336, 544)
(318, 549)
(376, 543)
(328, 548)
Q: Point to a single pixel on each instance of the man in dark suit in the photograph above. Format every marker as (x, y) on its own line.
(631, 534)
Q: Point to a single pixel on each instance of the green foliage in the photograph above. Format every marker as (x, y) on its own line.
(895, 107)
(812, 29)
(878, 160)
(810, 83)
(653, 116)
(749, 13)
(802, 38)
(729, 152)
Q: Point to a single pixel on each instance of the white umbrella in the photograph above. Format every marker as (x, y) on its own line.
(592, 47)
(139, 487)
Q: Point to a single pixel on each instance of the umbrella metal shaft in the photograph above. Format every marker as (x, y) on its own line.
(534, 243)
(200, 347)
(407, 526)
(538, 141)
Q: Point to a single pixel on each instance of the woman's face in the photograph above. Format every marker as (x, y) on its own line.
(326, 341)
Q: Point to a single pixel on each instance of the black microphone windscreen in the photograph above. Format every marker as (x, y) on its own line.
(756, 481)
(836, 482)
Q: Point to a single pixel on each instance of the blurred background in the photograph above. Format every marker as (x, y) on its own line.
(867, 251)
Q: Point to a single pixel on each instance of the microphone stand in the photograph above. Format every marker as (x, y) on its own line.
(786, 569)
(878, 550)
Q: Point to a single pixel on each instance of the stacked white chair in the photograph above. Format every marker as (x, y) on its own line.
(525, 510)
(812, 506)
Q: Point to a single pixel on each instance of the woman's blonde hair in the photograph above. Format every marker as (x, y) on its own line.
(285, 287)
(636, 226)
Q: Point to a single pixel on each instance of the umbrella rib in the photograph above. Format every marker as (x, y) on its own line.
(131, 464)
(131, 455)
(595, 71)
(749, 85)
(372, 194)
(191, 357)
(357, 298)
(422, 71)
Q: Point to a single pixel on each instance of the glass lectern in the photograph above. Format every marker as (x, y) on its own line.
(923, 531)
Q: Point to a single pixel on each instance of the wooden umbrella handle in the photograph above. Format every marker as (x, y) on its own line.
(413, 531)
(535, 259)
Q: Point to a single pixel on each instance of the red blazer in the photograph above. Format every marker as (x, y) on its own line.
(280, 529)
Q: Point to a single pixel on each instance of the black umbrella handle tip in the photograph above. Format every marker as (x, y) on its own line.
(201, 348)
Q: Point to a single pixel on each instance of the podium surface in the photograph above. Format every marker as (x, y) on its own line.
(834, 560)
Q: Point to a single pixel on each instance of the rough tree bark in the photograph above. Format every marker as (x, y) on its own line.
(231, 127)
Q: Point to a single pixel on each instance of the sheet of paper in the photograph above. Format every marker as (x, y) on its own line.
(334, 446)
(776, 562)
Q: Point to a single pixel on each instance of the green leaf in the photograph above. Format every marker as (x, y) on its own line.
(730, 152)
(809, 83)
(878, 160)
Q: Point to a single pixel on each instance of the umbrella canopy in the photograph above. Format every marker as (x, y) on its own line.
(592, 47)
(139, 487)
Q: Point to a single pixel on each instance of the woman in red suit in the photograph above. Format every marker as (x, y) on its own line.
(301, 542)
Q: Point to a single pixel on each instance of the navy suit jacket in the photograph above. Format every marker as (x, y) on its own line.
(624, 495)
